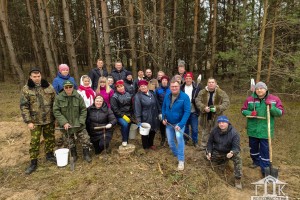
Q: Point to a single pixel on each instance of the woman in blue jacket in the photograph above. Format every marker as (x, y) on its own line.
(62, 76)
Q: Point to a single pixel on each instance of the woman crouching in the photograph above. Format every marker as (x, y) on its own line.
(99, 122)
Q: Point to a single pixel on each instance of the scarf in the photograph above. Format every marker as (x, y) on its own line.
(88, 91)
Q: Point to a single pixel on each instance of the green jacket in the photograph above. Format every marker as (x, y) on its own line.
(70, 109)
(258, 128)
(36, 103)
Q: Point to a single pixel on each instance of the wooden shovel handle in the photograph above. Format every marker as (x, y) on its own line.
(269, 133)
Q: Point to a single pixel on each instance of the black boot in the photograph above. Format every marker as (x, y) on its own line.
(74, 154)
(32, 167)
(50, 157)
(86, 155)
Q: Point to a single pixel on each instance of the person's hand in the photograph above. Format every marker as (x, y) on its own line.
(212, 109)
(268, 103)
(108, 126)
(208, 156)
(199, 78)
(177, 128)
(127, 119)
(30, 126)
(254, 113)
(160, 117)
(229, 155)
(164, 122)
(207, 109)
(139, 124)
(67, 126)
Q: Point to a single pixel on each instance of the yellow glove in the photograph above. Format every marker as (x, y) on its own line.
(127, 119)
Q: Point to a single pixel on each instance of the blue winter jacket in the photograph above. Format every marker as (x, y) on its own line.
(58, 82)
(161, 92)
(180, 111)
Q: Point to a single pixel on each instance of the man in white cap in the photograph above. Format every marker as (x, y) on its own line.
(224, 144)
(257, 128)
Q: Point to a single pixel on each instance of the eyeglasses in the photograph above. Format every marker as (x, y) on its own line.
(68, 87)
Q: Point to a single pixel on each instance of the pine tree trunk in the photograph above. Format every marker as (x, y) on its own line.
(154, 36)
(45, 39)
(161, 39)
(97, 28)
(37, 52)
(195, 36)
(131, 32)
(89, 33)
(173, 52)
(214, 39)
(5, 60)
(142, 36)
(106, 34)
(10, 47)
(261, 41)
(69, 40)
(272, 47)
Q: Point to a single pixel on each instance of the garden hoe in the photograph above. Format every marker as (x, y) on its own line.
(72, 163)
(270, 170)
(180, 131)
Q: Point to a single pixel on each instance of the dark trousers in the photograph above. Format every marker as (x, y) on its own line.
(162, 129)
(259, 152)
(102, 143)
(147, 140)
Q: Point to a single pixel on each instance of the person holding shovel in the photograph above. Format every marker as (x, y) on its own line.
(99, 122)
(224, 144)
(176, 110)
(147, 110)
(36, 103)
(255, 106)
(70, 112)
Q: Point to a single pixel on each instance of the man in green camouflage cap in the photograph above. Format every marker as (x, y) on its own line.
(70, 112)
(36, 104)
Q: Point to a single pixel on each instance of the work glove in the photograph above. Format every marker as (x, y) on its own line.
(208, 156)
(107, 126)
(160, 117)
(269, 103)
(139, 124)
(229, 155)
(127, 119)
(254, 113)
(199, 78)
(212, 109)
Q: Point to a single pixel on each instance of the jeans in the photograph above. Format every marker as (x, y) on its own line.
(125, 127)
(177, 150)
(259, 152)
(193, 121)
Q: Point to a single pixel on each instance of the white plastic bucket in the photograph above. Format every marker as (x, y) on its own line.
(145, 129)
(61, 157)
(133, 131)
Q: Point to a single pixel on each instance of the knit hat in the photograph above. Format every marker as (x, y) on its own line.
(188, 74)
(34, 69)
(99, 97)
(142, 82)
(223, 118)
(128, 73)
(165, 77)
(67, 82)
(63, 67)
(261, 85)
(119, 82)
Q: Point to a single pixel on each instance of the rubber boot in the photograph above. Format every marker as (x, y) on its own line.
(86, 155)
(32, 167)
(238, 183)
(74, 154)
(50, 157)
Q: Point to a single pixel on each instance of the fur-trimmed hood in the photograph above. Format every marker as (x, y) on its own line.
(31, 84)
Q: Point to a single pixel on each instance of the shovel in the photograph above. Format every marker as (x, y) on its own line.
(270, 170)
(180, 131)
(72, 163)
(104, 129)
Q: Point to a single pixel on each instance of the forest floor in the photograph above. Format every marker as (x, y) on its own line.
(141, 175)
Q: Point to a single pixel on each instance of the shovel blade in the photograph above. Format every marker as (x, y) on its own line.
(271, 171)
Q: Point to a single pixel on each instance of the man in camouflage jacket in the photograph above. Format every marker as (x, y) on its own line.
(36, 104)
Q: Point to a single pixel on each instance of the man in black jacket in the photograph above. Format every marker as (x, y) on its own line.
(223, 144)
(95, 73)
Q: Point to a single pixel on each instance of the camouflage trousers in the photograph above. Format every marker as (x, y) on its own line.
(82, 135)
(220, 158)
(206, 133)
(48, 133)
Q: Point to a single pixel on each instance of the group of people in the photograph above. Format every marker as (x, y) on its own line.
(172, 106)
